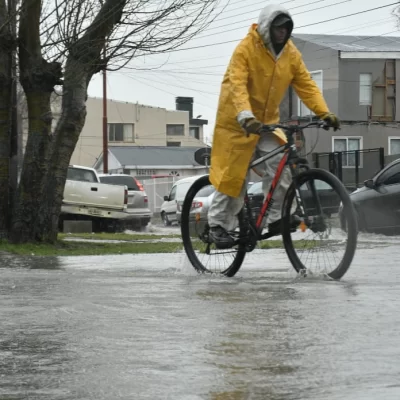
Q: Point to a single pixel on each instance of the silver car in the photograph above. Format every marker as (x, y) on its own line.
(171, 208)
(201, 203)
(138, 203)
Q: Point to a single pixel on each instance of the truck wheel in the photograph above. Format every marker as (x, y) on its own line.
(61, 223)
(144, 222)
(165, 219)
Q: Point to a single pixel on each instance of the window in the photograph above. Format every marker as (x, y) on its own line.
(318, 184)
(80, 174)
(255, 188)
(120, 132)
(182, 190)
(206, 191)
(394, 145)
(194, 132)
(172, 195)
(120, 180)
(318, 78)
(365, 89)
(173, 144)
(391, 176)
(142, 172)
(347, 144)
(175, 130)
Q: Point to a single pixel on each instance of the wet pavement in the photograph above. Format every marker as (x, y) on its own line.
(148, 327)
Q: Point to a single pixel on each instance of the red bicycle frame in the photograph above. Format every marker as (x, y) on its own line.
(267, 202)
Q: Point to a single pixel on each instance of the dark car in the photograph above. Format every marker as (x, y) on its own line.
(327, 196)
(377, 203)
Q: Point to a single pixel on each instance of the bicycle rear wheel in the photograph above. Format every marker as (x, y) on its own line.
(318, 235)
(194, 229)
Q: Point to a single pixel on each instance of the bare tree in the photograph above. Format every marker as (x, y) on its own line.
(82, 37)
(6, 46)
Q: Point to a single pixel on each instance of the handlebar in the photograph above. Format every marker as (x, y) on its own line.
(291, 129)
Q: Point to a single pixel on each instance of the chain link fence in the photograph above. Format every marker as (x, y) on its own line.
(156, 189)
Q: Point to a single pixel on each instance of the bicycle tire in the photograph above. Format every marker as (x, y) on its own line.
(350, 215)
(186, 238)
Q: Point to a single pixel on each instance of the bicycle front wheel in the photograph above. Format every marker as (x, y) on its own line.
(205, 257)
(322, 206)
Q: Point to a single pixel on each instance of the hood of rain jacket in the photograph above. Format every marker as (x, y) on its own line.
(267, 15)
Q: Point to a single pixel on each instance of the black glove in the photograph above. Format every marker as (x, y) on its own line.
(332, 120)
(252, 125)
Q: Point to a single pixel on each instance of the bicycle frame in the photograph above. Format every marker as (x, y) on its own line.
(268, 200)
(290, 158)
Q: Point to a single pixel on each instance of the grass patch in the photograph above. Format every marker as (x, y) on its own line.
(278, 244)
(115, 236)
(64, 248)
(76, 248)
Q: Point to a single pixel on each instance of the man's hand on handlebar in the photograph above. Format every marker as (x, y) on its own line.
(252, 125)
(331, 120)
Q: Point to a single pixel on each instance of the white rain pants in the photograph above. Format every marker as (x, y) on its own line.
(224, 208)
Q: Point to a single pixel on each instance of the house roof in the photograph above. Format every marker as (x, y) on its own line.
(353, 43)
(154, 155)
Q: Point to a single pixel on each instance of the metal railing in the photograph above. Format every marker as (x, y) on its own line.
(352, 167)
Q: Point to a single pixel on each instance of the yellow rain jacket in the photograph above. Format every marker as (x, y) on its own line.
(253, 86)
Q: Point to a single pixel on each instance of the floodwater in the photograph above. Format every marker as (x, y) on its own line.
(148, 327)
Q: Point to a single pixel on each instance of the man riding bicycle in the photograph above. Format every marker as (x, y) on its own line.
(262, 67)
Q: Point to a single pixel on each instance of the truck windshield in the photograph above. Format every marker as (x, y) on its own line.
(120, 180)
(80, 174)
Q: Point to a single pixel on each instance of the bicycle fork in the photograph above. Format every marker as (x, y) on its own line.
(316, 224)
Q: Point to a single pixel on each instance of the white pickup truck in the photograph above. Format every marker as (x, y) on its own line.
(86, 198)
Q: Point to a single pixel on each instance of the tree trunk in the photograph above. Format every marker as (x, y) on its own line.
(5, 97)
(66, 135)
(30, 190)
(38, 79)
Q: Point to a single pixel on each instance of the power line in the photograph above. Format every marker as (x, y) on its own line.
(243, 27)
(367, 24)
(197, 72)
(241, 14)
(303, 26)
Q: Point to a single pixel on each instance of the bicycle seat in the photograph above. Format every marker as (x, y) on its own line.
(203, 156)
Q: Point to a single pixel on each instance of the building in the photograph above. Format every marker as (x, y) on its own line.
(152, 161)
(130, 125)
(358, 76)
(157, 167)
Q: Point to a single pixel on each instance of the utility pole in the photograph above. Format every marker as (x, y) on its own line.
(12, 13)
(105, 122)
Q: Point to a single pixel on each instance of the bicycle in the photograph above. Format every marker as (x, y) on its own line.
(250, 226)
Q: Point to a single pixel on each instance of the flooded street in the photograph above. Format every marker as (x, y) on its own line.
(148, 327)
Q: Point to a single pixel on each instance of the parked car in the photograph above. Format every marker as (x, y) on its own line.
(86, 198)
(138, 203)
(377, 203)
(201, 203)
(170, 210)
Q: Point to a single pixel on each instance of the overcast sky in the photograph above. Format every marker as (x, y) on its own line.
(198, 72)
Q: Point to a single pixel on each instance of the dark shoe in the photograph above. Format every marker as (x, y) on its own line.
(221, 238)
(275, 227)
